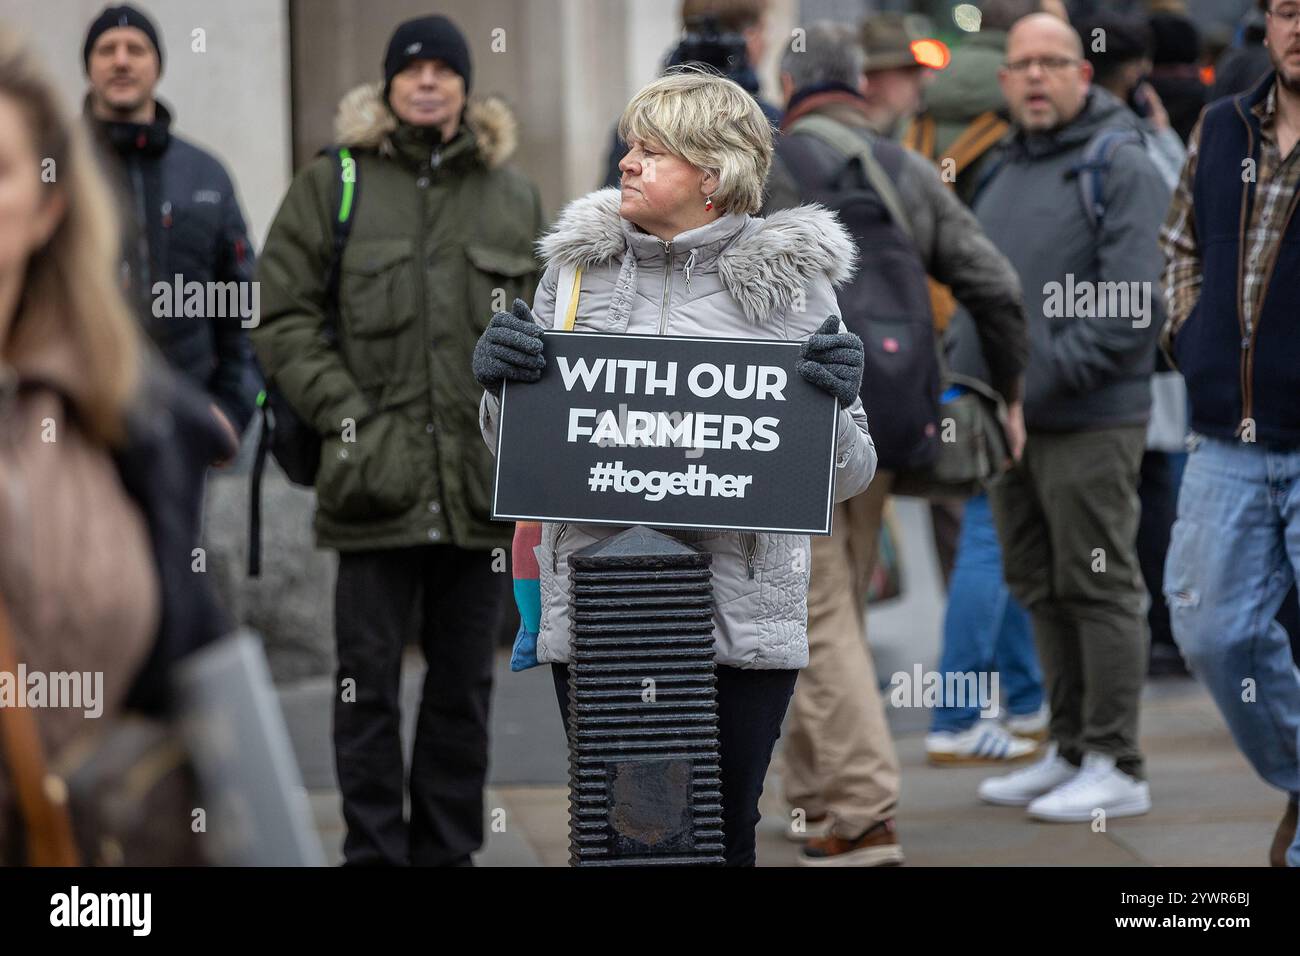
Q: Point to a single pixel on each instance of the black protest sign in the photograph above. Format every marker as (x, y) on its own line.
(668, 432)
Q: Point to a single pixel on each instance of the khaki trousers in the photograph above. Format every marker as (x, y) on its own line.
(839, 757)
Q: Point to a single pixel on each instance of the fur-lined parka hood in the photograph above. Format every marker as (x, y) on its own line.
(763, 263)
(364, 121)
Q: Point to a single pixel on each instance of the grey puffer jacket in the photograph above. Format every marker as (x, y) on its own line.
(739, 276)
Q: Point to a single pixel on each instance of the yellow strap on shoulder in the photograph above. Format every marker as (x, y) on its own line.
(976, 139)
(571, 314)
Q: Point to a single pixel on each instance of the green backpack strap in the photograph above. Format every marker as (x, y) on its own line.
(846, 141)
(347, 195)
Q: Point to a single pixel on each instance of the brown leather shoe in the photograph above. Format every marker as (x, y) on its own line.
(878, 846)
(1284, 836)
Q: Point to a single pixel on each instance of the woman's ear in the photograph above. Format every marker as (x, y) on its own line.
(709, 184)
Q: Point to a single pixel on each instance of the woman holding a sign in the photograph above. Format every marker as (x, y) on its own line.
(678, 251)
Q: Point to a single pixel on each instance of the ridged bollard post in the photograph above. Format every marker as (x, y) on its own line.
(645, 783)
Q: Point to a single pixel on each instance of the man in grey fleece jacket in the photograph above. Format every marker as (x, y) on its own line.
(1067, 514)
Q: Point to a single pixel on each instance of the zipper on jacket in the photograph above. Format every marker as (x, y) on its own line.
(560, 532)
(668, 285)
(749, 541)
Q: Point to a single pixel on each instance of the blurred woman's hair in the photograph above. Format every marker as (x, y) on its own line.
(713, 124)
(74, 279)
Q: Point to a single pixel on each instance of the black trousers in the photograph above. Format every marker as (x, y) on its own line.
(452, 598)
(751, 706)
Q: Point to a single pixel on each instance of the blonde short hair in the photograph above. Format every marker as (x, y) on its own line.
(713, 124)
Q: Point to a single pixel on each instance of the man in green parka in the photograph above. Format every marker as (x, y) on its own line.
(441, 237)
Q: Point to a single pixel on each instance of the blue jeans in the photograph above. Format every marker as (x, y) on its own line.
(1234, 554)
(984, 629)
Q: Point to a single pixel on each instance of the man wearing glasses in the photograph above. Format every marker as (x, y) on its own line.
(1067, 513)
(1232, 241)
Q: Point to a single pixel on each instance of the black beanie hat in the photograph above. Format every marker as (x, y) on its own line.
(426, 38)
(122, 15)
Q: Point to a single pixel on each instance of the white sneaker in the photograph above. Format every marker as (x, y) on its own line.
(1020, 788)
(1033, 726)
(985, 741)
(1098, 785)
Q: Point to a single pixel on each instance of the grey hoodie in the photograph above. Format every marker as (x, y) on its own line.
(738, 277)
(1085, 370)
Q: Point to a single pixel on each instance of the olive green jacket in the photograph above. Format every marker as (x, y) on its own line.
(441, 238)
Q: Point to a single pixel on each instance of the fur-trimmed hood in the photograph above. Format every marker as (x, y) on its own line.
(763, 263)
(364, 121)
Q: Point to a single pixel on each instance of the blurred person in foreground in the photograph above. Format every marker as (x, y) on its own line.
(679, 251)
(101, 453)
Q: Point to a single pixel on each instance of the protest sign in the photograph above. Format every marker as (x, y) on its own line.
(668, 432)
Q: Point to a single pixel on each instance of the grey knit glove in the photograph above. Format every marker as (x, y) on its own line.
(510, 348)
(832, 360)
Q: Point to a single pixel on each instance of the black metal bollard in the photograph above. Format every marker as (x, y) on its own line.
(645, 783)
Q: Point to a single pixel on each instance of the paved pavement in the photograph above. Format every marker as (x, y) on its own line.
(1209, 807)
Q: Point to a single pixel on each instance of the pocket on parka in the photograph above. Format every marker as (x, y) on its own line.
(371, 477)
(495, 278)
(377, 294)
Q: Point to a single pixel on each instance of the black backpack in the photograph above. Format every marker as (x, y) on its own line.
(293, 442)
(887, 303)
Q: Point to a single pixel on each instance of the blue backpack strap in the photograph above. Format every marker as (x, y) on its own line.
(1091, 170)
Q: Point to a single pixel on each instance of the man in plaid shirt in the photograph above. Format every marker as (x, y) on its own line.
(1232, 282)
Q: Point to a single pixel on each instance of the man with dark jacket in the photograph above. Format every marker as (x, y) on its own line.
(1067, 513)
(1233, 283)
(441, 237)
(841, 769)
(184, 222)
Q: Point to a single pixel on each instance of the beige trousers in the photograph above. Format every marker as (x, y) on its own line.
(839, 756)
